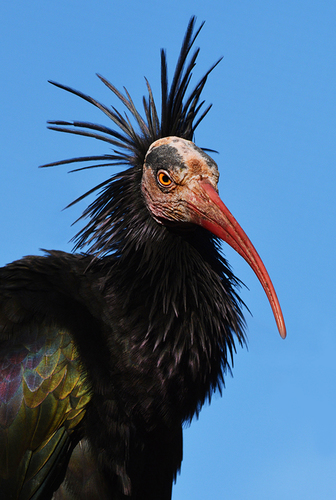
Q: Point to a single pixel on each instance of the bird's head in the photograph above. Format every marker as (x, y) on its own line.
(173, 172)
(179, 185)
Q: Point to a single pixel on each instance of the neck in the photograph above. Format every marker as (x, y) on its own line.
(178, 295)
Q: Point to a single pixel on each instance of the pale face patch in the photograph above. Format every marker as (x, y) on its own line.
(186, 165)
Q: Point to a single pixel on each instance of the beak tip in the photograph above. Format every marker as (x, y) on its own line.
(282, 329)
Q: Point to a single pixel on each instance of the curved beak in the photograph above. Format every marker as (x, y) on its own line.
(211, 213)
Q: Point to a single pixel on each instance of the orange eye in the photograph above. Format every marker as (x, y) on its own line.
(164, 178)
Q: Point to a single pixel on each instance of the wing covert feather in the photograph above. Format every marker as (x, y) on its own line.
(43, 397)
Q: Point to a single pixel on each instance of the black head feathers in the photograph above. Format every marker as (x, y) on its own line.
(181, 112)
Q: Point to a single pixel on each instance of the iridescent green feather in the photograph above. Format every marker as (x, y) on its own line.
(43, 396)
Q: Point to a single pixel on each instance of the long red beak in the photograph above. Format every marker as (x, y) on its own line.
(214, 216)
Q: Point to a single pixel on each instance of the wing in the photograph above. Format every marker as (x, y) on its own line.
(43, 388)
(59, 337)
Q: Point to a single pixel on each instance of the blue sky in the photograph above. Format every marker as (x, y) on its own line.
(273, 433)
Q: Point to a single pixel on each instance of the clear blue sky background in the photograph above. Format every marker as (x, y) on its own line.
(272, 435)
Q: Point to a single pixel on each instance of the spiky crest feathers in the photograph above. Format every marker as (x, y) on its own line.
(180, 115)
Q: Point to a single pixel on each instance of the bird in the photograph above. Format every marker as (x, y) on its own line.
(107, 352)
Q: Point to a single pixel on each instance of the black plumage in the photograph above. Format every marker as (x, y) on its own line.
(114, 349)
